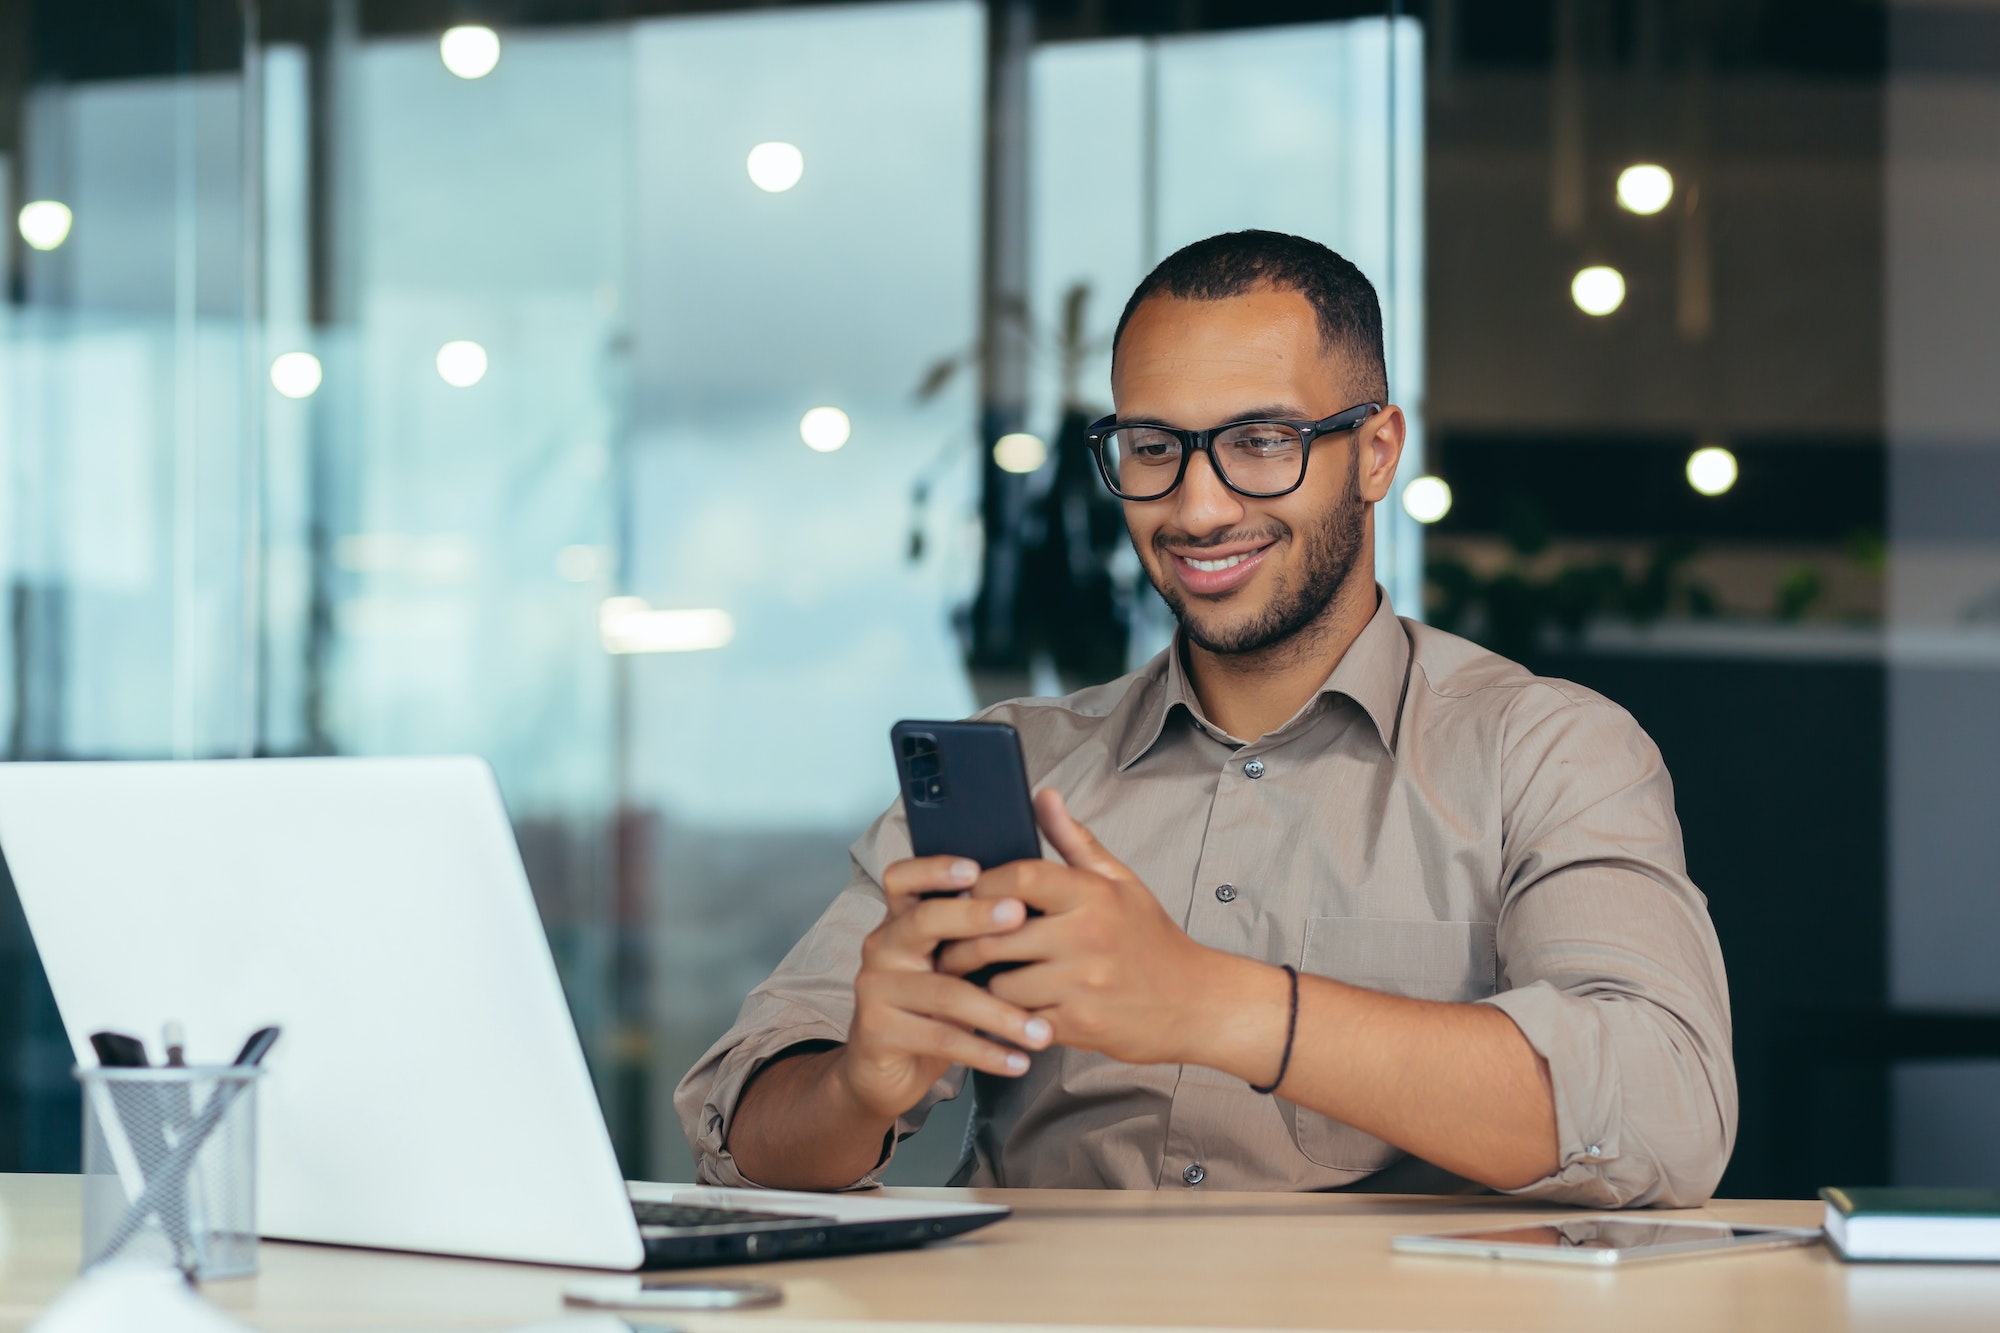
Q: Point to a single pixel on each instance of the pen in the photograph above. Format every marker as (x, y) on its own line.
(180, 1110)
(257, 1047)
(116, 1050)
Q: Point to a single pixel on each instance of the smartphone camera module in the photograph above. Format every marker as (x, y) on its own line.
(923, 769)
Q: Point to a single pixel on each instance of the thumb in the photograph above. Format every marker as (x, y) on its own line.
(1077, 844)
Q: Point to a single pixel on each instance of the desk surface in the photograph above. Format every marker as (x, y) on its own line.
(1068, 1258)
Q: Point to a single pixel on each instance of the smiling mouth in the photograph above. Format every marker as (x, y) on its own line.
(1211, 566)
(1217, 573)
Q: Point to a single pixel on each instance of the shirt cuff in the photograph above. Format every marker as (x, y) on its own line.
(714, 1163)
(1566, 1031)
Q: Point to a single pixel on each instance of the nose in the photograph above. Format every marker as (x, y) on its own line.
(1203, 503)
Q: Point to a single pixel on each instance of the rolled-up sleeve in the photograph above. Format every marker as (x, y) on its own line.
(810, 997)
(1609, 963)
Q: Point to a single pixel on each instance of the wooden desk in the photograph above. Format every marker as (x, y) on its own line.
(1192, 1260)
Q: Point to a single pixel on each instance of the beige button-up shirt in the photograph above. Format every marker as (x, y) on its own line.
(1436, 822)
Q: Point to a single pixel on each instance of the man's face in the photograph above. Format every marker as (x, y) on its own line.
(1243, 575)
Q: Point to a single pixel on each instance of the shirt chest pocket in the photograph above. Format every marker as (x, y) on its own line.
(1424, 960)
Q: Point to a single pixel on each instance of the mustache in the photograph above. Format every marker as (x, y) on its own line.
(1272, 533)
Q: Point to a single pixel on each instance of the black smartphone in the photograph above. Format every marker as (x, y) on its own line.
(965, 792)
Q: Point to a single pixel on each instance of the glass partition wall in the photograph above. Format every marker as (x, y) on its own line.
(1942, 409)
(1710, 335)
(131, 557)
(658, 407)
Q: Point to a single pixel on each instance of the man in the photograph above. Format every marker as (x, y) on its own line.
(1341, 900)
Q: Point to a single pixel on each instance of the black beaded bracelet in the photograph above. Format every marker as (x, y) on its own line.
(1291, 1031)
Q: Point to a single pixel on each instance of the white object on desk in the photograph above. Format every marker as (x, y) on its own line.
(122, 1297)
(430, 1093)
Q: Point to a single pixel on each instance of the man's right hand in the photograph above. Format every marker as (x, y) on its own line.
(913, 1022)
(820, 1120)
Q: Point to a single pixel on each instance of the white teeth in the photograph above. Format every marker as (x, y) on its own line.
(1210, 566)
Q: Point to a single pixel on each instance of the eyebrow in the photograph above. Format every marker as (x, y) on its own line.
(1268, 412)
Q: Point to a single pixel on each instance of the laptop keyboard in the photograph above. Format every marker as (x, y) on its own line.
(688, 1215)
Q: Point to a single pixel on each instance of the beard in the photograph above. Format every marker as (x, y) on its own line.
(1328, 552)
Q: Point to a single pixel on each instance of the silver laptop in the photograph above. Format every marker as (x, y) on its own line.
(430, 1093)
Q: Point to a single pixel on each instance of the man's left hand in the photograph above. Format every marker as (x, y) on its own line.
(1106, 966)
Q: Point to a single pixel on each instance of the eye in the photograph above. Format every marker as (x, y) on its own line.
(1148, 446)
(1260, 437)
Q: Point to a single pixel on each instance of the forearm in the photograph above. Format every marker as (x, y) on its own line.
(1455, 1084)
(798, 1126)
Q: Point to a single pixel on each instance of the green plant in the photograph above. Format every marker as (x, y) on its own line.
(1514, 609)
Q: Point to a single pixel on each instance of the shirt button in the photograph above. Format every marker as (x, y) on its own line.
(1254, 769)
(1225, 893)
(1194, 1175)
(1595, 1150)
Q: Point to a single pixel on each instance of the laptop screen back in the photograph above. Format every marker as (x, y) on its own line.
(429, 1092)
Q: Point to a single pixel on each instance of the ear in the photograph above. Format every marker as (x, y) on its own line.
(1381, 444)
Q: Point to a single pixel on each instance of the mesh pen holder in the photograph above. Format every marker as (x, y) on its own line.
(170, 1167)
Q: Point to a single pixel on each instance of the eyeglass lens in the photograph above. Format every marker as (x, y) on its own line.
(1257, 457)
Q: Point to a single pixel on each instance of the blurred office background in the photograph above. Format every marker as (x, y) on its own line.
(659, 399)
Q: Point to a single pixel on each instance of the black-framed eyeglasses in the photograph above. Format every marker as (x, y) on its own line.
(1261, 459)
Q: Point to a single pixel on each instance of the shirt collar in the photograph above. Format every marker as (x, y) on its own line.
(1373, 672)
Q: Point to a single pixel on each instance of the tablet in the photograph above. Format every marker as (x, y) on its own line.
(1602, 1241)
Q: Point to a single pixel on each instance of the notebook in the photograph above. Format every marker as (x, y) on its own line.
(1918, 1225)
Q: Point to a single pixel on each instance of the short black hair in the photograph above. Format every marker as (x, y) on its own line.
(1350, 317)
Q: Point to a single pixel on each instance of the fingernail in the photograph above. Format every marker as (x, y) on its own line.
(964, 872)
(1017, 1063)
(1004, 909)
(1038, 1029)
